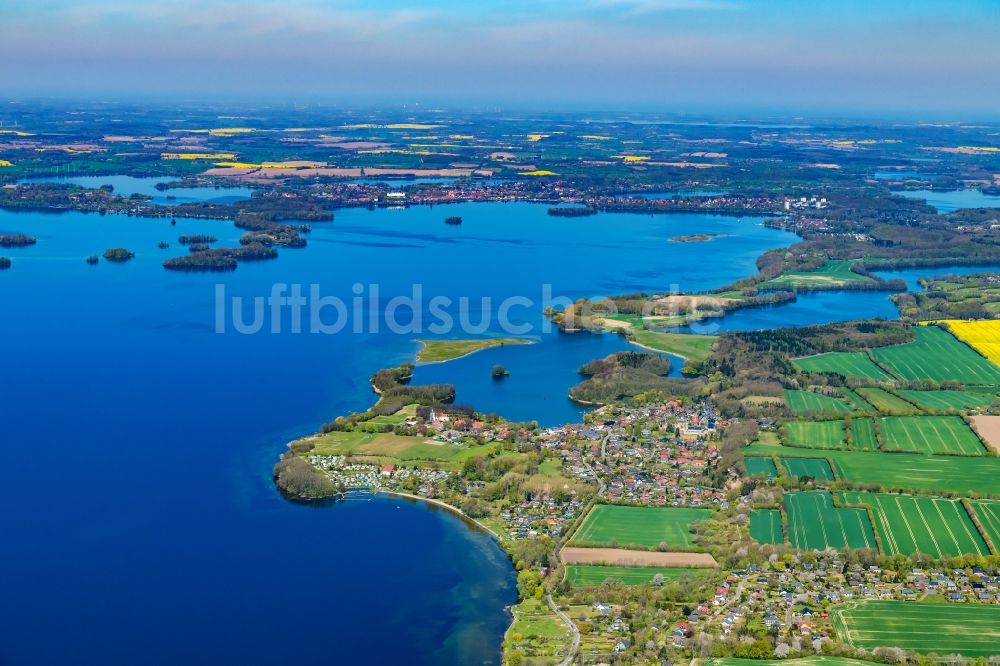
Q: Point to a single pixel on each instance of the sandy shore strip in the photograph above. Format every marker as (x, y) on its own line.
(444, 505)
(635, 558)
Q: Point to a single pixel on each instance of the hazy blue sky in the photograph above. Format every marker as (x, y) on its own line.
(929, 58)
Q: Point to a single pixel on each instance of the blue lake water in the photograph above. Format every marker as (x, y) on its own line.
(139, 513)
(947, 202)
(902, 175)
(129, 185)
(818, 307)
(823, 307)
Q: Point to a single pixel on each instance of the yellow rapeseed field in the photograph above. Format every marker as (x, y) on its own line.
(238, 165)
(537, 137)
(266, 165)
(632, 158)
(982, 335)
(5, 163)
(537, 172)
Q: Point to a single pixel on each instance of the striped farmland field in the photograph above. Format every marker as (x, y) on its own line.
(930, 525)
(760, 466)
(765, 526)
(613, 525)
(929, 434)
(972, 630)
(988, 514)
(863, 437)
(934, 474)
(814, 523)
(859, 403)
(886, 402)
(938, 356)
(816, 468)
(943, 400)
(810, 402)
(848, 364)
(814, 434)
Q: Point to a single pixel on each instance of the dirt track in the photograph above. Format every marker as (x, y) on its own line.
(640, 558)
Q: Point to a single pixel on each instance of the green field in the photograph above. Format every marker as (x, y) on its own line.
(695, 348)
(437, 351)
(972, 630)
(387, 446)
(977, 474)
(859, 403)
(760, 466)
(886, 402)
(608, 524)
(407, 412)
(988, 514)
(586, 575)
(765, 526)
(929, 434)
(863, 436)
(830, 275)
(937, 356)
(848, 364)
(814, 434)
(814, 523)
(816, 468)
(945, 400)
(810, 402)
(929, 525)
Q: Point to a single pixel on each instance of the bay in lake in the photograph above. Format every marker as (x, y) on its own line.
(139, 513)
(129, 185)
(949, 202)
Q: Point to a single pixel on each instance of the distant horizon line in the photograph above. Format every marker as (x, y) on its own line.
(689, 114)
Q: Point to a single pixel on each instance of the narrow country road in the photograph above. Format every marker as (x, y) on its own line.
(576, 632)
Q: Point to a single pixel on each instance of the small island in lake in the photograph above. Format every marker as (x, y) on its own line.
(17, 240)
(696, 238)
(574, 211)
(119, 255)
(93, 259)
(499, 372)
(438, 351)
(454, 219)
(196, 239)
(4, 263)
(223, 259)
